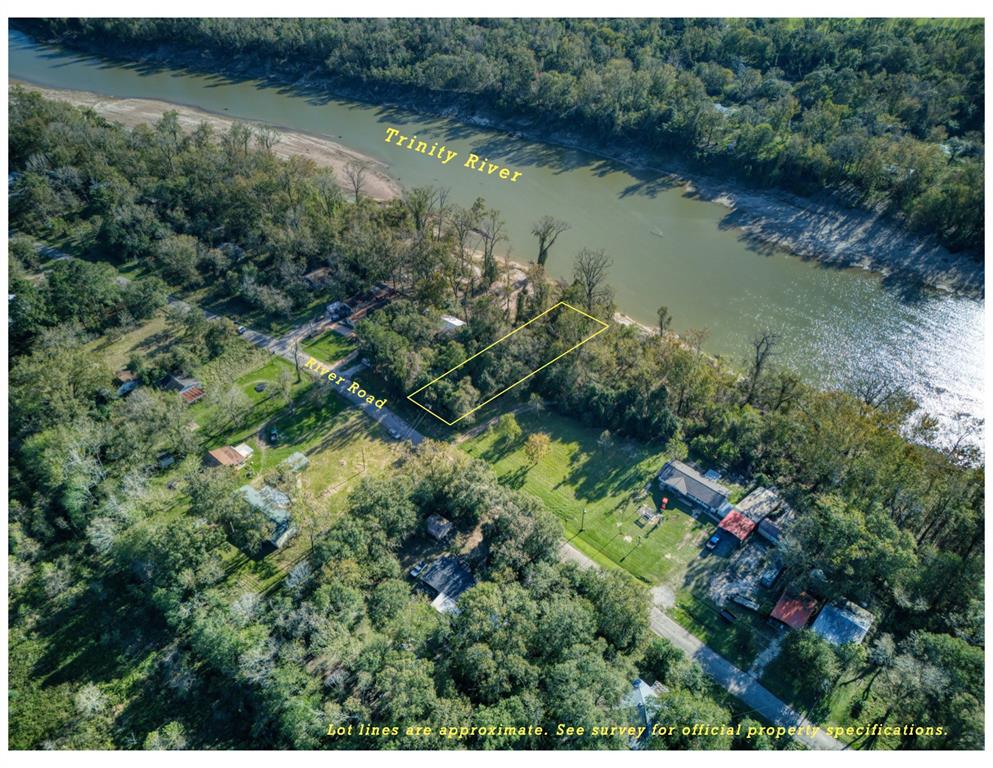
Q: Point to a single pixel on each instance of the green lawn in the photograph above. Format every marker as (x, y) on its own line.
(609, 483)
(739, 643)
(150, 339)
(329, 347)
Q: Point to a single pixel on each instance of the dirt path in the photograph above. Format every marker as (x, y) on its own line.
(324, 152)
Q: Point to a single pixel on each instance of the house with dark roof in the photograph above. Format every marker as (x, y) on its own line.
(794, 610)
(275, 506)
(447, 578)
(737, 525)
(682, 479)
(843, 622)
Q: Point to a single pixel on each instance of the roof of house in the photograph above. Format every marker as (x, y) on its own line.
(226, 456)
(761, 503)
(843, 623)
(641, 697)
(737, 525)
(192, 394)
(687, 481)
(273, 503)
(438, 526)
(244, 449)
(449, 323)
(179, 383)
(794, 611)
(447, 576)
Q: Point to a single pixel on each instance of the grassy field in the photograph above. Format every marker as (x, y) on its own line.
(150, 338)
(610, 484)
(329, 347)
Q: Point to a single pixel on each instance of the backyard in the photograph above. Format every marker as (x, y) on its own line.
(597, 491)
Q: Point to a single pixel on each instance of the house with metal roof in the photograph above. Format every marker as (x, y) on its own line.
(794, 610)
(275, 505)
(843, 622)
(737, 525)
(228, 456)
(685, 481)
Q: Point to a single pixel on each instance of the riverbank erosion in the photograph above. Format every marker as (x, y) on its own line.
(324, 152)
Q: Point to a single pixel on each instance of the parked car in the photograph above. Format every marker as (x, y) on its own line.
(273, 435)
(770, 574)
(729, 617)
(713, 541)
(416, 570)
(241, 329)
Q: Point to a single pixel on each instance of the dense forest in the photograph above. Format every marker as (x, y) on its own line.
(885, 519)
(888, 113)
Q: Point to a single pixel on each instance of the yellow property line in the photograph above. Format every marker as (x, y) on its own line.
(519, 381)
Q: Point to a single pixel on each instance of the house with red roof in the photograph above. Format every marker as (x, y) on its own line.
(738, 525)
(795, 611)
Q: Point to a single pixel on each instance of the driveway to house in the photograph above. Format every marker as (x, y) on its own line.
(739, 684)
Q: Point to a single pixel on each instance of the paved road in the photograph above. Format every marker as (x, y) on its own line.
(285, 347)
(739, 684)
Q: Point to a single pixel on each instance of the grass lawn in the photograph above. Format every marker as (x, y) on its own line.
(329, 347)
(739, 643)
(150, 338)
(343, 445)
(609, 483)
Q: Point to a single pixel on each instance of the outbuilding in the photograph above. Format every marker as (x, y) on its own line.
(843, 622)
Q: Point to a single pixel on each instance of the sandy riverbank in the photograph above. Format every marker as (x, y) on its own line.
(324, 152)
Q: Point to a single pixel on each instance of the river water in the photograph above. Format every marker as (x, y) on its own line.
(835, 325)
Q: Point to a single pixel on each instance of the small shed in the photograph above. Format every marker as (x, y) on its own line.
(448, 324)
(842, 623)
(439, 528)
(794, 611)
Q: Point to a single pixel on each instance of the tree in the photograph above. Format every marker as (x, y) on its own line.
(590, 274)
(665, 319)
(508, 429)
(355, 172)
(683, 708)
(536, 447)
(812, 664)
(547, 229)
(763, 347)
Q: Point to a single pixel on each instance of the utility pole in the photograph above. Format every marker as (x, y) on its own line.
(582, 525)
(296, 357)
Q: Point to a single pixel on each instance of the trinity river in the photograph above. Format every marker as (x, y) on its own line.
(667, 248)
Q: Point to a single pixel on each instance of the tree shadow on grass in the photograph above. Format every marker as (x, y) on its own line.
(96, 639)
